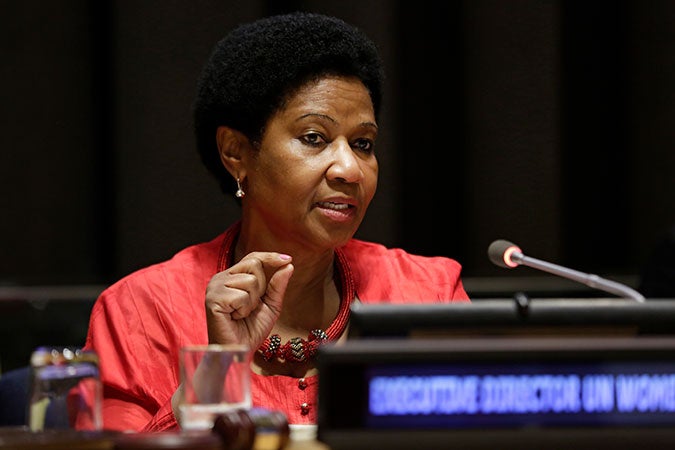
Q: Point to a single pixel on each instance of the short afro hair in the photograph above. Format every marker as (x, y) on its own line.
(254, 69)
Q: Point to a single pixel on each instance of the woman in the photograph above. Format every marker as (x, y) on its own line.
(286, 119)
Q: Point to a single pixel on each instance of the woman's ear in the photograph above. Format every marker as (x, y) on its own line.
(231, 146)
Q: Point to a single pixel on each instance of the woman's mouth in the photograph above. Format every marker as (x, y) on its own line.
(337, 212)
(335, 206)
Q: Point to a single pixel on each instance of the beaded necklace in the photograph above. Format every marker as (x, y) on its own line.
(298, 349)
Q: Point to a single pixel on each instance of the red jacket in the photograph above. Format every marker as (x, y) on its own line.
(138, 325)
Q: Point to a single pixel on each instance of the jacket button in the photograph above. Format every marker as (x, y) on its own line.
(304, 409)
(302, 383)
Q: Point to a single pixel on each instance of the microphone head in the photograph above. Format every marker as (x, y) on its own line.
(500, 252)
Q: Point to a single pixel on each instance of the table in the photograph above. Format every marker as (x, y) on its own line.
(21, 438)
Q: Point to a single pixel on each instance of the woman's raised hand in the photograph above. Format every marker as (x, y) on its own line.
(244, 301)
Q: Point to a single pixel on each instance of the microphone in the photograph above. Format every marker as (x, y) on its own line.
(507, 254)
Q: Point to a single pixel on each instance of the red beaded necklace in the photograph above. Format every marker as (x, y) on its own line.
(298, 349)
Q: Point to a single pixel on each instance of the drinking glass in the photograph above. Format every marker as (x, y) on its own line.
(215, 379)
(66, 391)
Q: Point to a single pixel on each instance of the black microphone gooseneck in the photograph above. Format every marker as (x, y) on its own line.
(507, 254)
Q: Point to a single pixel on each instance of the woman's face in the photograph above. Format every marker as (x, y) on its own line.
(315, 172)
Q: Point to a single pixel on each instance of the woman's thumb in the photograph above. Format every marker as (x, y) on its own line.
(276, 288)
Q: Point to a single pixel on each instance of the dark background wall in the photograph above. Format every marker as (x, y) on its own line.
(549, 123)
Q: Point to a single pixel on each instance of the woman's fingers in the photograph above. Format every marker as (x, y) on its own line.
(251, 274)
(244, 301)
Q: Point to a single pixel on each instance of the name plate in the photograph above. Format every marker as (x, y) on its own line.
(542, 390)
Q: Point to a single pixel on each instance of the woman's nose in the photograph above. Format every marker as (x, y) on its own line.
(344, 164)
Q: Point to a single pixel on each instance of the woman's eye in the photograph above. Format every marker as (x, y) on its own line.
(364, 145)
(314, 139)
